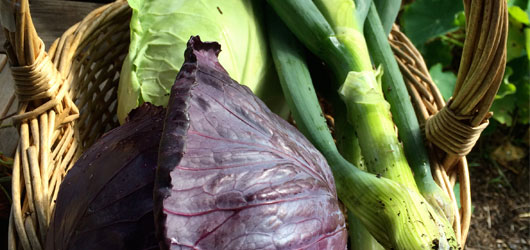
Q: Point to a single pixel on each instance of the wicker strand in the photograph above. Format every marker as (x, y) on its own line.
(40, 89)
(451, 133)
(482, 65)
(79, 75)
(36, 81)
(16, 220)
(483, 60)
(11, 238)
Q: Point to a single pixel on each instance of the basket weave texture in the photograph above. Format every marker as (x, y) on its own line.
(68, 99)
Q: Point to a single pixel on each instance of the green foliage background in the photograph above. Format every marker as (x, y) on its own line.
(437, 28)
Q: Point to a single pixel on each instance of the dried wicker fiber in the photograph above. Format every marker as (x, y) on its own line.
(67, 100)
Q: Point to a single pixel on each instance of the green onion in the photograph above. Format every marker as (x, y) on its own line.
(345, 51)
(403, 114)
(387, 11)
(369, 112)
(397, 216)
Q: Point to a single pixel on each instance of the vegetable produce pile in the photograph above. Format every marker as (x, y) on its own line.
(231, 175)
(217, 169)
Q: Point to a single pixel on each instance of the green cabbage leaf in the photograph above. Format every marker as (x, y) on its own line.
(159, 32)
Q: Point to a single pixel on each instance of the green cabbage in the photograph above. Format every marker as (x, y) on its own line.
(159, 32)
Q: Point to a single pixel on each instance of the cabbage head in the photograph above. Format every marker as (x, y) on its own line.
(160, 30)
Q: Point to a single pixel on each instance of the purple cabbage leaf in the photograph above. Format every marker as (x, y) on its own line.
(233, 175)
(106, 199)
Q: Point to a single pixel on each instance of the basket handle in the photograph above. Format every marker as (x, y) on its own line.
(23, 43)
(457, 127)
(44, 108)
(38, 85)
(454, 128)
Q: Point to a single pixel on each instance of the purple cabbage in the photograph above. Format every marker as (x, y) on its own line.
(106, 199)
(233, 175)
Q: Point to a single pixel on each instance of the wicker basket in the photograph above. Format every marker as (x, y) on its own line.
(67, 99)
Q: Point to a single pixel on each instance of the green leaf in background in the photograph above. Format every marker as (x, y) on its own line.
(506, 88)
(521, 71)
(523, 103)
(460, 19)
(516, 42)
(523, 4)
(518, 14)
(521, 79)
(520, 3)
(518, 33)
(503, 110)
(437, 51)
(426, 19)
(527, 39)
(528, 8)
(427, 23)
(445, 81)
(506, 104)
